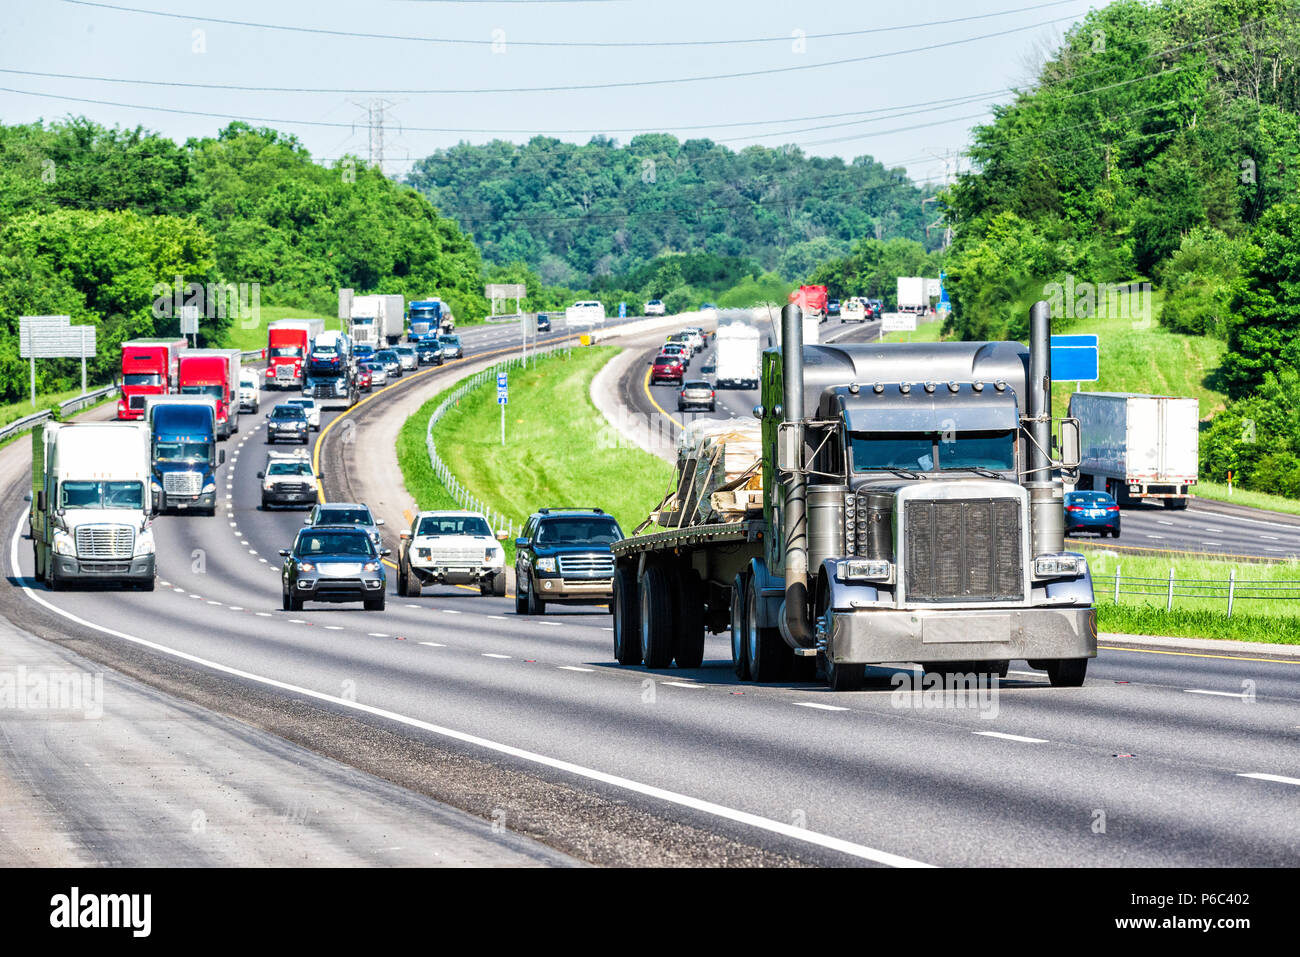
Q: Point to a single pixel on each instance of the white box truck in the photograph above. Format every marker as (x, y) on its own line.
(92, 505)
(1138, 447)
(913, 294)
(738, 357)
(377, 320)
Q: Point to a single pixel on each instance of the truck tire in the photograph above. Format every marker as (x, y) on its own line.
(413, 584)
(843, 676)
(739, 633)
(1067, 672)
(770, 657)
(499, 584)
(401, 579)
(656, 600)
(627, 617)
(1176, 503)
(521, 598)
(688, 650)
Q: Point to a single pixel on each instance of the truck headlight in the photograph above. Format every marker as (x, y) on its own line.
(867, 569)
(63, 544)
(268, 487)
(1060, 566)
(546, 564)
(210, 487)
(371, 566)
(144, 544)
(491, 554)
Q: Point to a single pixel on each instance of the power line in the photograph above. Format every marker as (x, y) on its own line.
(621, 84)
(468, 41)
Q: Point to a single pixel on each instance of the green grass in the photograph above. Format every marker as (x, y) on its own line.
(1154, 620)
(413, 457)
(254, 337)
(16, 410)
(1219, 493)
(559, 449)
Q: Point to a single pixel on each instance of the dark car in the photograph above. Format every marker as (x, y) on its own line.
(391, 362)
(563, 556)
(696, 394)
(832, 307)
(287, 423)
(363, 353)
(451, 347)
(666, 368)
(429, 351)
(543, 322)
(348, 514)
(1091, 512)
(365, 382)
(333, 563)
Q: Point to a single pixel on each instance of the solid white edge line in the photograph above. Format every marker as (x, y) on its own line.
(1221, 694)
(647, 790)
(1276, 778)
(680, 684)
(1011, 737)
(573, 668)
(819, 707)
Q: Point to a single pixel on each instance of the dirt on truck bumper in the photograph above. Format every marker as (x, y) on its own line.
(876, 636)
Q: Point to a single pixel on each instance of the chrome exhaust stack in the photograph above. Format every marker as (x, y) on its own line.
(1046, 493)
(794, 611)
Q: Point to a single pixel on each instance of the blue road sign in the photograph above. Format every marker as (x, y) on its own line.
(1075, 359)
(622, 310)
(503, 389)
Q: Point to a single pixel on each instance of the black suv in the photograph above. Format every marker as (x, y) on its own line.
(287, 421)
(563, 556)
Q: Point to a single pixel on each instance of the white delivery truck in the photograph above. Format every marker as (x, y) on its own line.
(92, 506)
(738, 357)
(587, 313)
(377, 320)
(1138, 447)
(913, 294)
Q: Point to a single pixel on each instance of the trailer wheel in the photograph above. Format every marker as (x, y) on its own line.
(627, 616)
(739, 633)
(656, 601)
(689, 650)
(1176, 503)
(1067, 672)
(769, 656)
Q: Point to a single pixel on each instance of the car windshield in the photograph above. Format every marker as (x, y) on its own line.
(318, 544)
(289, 468)
(288, 412)
(213, 390)
(387, 355)
(578, 531)
(919, 452)
(449, 340)
(303, 403)
(454, 525)
(182, 451)
(404, 350)
(142, 378)
(344, 516)
(101, 495)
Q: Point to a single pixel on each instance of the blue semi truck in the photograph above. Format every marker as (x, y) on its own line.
(183, 453)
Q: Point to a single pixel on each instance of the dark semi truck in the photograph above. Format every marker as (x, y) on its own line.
(912, 512)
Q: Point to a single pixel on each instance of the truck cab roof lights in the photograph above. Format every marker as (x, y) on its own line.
(953, 387)
(977, 386)
(877, 388)
(904, 387)
(1000, 385)
(854, 388)
(929, 387)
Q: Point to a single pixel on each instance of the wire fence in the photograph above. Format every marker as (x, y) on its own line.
(1231, 590)
(461, 495)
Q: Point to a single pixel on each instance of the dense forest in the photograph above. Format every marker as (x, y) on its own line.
(1160, 143)
(577, 214)
(92, 219)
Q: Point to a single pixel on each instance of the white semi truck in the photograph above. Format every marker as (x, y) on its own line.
(92, 505)
(1138, 447)
(912, 294)
(738, 357)
(376, 320)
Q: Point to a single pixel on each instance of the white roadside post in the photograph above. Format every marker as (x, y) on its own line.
(503, 396)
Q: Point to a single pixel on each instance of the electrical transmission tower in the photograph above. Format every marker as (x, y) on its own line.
(376, 120)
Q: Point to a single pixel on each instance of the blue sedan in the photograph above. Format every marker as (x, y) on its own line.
(1091, 512)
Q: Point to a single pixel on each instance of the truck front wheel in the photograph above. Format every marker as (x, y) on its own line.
(739, 633)
(770, 658)
(842, 676)
(1067, 672)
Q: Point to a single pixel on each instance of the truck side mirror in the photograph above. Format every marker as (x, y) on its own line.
(502, 534)
(1071, 444)
(789, 447)
(261, 475)
(521, 543)
(379, 521)
(221, 457)
(404, 534)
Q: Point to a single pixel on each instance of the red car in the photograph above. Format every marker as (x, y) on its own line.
(666, 368)
(364, 382)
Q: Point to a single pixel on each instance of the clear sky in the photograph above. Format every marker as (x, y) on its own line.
(915, 122)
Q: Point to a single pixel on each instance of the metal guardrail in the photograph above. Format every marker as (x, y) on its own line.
(458, 492)
(1231, 590)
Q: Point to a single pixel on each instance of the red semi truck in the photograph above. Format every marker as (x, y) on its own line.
(811, 299)
(287, 344)
(214, 372)
(149, 367)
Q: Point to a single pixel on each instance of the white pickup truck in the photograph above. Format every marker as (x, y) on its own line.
(450, 548)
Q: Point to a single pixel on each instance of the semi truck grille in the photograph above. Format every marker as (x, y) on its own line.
(105, 541)
(284, 372)
(963, 550)
(587, 566)
(182, 483)
(135, 403)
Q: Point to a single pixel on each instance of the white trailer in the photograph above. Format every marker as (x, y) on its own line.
(1138, 447)
(92, 504)
(913, 294)
(376, 320)
(738, 357)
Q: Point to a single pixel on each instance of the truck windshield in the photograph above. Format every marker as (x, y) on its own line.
(286, 352)
(578, 531)
(181, 451)
(454, 525)
(142, 378)
(920, 451)
(213, 390)
(101, 495)
(425, 313)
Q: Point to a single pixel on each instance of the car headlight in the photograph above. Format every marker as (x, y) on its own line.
(867, 569)
(546, 564)
(491, 554)
(144, 544)
(371, 566)
(306, 566)
(1060, 566)
(63, 544)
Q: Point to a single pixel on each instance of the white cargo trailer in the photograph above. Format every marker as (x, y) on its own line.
(377, 320)
(1138, 447)
(913, 294)
(738, 357)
